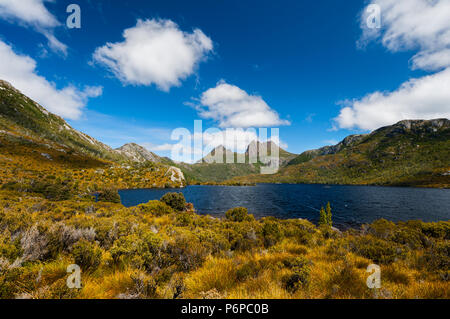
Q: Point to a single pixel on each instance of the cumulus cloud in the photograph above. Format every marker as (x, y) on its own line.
(155, 52)
(423, 98)
(419, 25)
(231, 106)
(20, 71)
(33, 13)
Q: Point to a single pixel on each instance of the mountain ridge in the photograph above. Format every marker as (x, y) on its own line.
(407, 153)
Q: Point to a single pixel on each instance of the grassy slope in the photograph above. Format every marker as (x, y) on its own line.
(388, 156)
(20, 114)
(40, 152)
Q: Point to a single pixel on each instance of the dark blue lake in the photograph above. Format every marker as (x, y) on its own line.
(352, 205)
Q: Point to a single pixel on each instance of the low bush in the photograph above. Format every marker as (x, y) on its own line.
(156, 208)
(174, 200)
(87, 255)
(272, 232)
(109, 195)
(238, 214)
(377, 250)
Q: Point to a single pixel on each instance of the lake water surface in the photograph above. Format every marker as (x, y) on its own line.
(351, 205)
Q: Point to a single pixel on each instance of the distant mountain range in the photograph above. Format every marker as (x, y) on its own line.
(411, 152)
(408, 153)
(208, 169)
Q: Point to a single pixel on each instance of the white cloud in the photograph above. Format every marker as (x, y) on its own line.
(20, 71)
(155, 52)
(33, 13)
(423, 98)
(419, 25)
(231, 106)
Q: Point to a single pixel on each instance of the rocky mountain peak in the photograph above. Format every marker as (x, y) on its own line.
(138, 153)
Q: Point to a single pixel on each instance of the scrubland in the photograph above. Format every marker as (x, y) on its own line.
(164, 249)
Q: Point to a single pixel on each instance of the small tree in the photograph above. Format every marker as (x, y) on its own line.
(174, 200)
(329, 215)
(323, 220)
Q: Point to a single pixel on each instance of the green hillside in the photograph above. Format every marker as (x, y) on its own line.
(409, 153)
(22, 115)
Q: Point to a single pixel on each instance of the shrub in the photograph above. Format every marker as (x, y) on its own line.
(156, 208)
(437, 258)
(186, 252)
(272, 232)
(214, 241)
(144, 286)
(437, 230)
(247, 270)
(238, 214)
(87, 255)
(109, 195)
(300, 273)
(184, 219)
(174, 200)
(34, 244)
(379, 251)
(345, 282)
(55, 190)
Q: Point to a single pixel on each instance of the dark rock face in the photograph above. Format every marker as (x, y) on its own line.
(415, 127)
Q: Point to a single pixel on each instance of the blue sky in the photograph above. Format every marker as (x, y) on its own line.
(290, 64)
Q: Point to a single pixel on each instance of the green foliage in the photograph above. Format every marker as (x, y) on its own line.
(156, 208)
(299, 275)
(87, 255)
(174, 200)
(393, 155)
(377, 250)
(109, 195)
(150, 252)
(238, 214)
(329, 215)
(272, 232)
(325, 217)
(140, 250)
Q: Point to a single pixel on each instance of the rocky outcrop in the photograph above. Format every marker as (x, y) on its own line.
(137, 153)
(333, 149)
(220, 152)
(414, 127)
(176, 175)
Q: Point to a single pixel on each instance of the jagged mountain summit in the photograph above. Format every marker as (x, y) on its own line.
(260, 152)
(408, 153)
